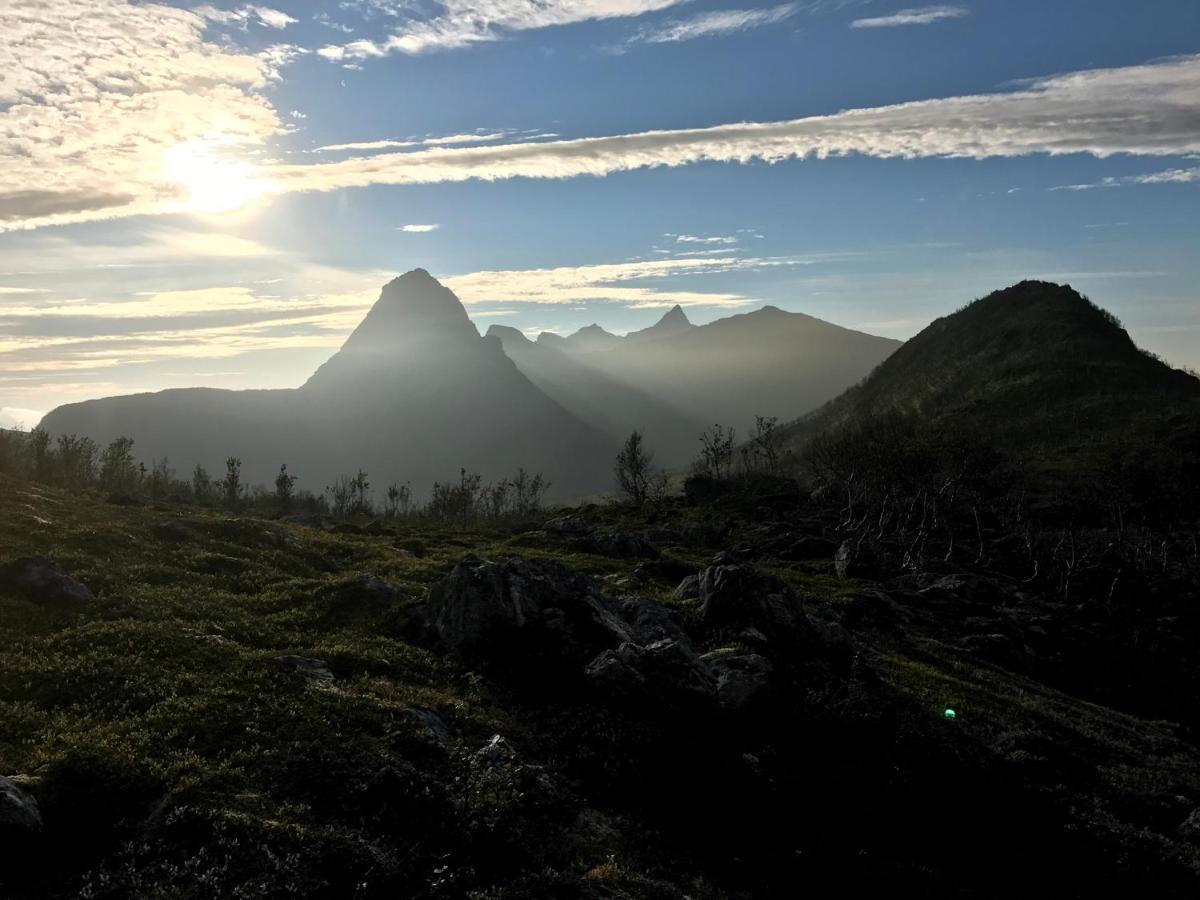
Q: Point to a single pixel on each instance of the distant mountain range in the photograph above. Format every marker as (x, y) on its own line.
(415, 393)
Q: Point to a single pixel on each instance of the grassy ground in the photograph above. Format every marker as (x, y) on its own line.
(174, 756)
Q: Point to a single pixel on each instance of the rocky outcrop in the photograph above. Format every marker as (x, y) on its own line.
(518, 614)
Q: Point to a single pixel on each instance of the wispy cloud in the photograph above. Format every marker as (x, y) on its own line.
(466, 22)
(1151, 109)
(112, 163)
(418, 229)
(264, 15)
(637, 284)
(368, 146)
(1169, 176)
(926, 15)
(710, 24)
(697, 239)
(482, 136)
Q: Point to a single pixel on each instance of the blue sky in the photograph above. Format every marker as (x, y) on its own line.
(176, 209)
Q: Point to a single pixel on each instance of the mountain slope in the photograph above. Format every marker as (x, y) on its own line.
(768, 362)
(413, 394)
(1037, 370)
(614, 407)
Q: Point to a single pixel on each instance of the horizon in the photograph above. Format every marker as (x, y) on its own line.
(555, 166)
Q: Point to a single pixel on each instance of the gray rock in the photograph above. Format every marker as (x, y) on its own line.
(519, 613)
(581, 534)
(362, 595)
(1190, 827)
(313, 668)
(743, 679)
(43, 580)
(18, 808)
(651, 621)
(737, 595)
(173, 530)
(665, 674)
(429, 722)
(496, 755)
(859, 558)
(688, 589)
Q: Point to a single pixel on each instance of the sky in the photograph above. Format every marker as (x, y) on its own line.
(213, 194)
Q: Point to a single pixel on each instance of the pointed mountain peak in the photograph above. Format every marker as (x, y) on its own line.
(674, 321)
(675, 316)
(414, 316)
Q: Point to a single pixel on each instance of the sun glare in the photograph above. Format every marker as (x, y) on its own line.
(215, 184)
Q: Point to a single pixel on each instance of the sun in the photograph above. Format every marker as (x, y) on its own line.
(215, 184)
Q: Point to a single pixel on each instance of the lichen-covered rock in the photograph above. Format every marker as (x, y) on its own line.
(43, 581)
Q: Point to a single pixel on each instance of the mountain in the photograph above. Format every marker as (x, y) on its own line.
(413, 395)
(1037, 370)
(768, 362)
(612, 406)
(588, 339)
(673, 322)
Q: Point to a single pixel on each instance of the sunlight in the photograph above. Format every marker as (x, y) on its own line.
(215, 184)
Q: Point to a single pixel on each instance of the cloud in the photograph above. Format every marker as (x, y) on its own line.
(418, 229)
(926, 15)
(87, 113)
(367, 145)
(271, 18)
(466, 22)
(718, 22)
(694, 239)
(1170, 176)
(476, 137)
(631, 284)
(1151, 109)
(114, 166)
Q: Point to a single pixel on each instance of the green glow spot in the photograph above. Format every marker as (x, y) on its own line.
(950, 714)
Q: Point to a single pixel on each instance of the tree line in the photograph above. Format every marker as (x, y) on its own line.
(79, 463)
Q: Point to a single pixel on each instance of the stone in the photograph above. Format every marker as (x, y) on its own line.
(743, 679)
(43, 581)
(523, 614)
(688, 589)
(313, 668)
(18, 809)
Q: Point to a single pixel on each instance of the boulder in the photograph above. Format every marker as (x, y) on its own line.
(43, 580)
(523, 614)
(313, 668)
(361, 596)
(665, 675)
(742, 596)
(743, 679)
(688, 589)
(650, 621)
(428, 722)
(18, 809)
(174, 531)
(861, 558)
